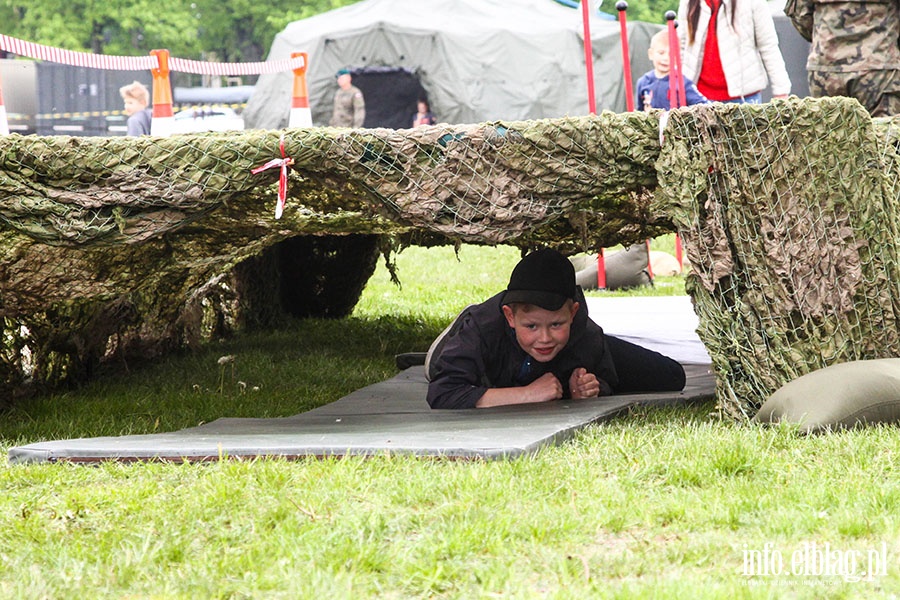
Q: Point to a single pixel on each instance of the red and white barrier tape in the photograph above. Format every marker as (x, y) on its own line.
(77, 59)
(142, 63)
(283, 163)
(197, 67)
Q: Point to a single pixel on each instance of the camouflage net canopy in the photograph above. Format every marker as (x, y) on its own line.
(116, 247)
(790, 217)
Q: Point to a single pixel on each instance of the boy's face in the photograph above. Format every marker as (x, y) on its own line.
(659, 56)
(133, 105)
(541, 333)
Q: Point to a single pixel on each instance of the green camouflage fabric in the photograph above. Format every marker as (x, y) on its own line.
(848, 36)
(349, 108)
(853, 50)
(878, 91)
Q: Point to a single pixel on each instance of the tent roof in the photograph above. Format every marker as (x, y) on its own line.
(479, 60)
(461, 17)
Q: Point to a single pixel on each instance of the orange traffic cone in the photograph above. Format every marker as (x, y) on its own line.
(163, 118)
(301, 116)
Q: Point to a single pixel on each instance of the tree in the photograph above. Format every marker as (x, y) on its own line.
(649, 11)
(243, 30)
(125, 27)
(233, 30)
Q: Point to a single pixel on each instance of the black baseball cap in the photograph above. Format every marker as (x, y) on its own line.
(544, 278)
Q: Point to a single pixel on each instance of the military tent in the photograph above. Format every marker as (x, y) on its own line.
(477, 60)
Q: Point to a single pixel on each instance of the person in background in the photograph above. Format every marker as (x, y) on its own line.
(730, 49)
(853, 50)
(423, 115)
(349, 104)
(137, 98)
(653, 86)
(534, 342)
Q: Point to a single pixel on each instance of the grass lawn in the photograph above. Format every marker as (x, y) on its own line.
(661, 503)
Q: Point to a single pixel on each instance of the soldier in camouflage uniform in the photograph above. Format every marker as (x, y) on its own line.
(349, 105)
(854, 50)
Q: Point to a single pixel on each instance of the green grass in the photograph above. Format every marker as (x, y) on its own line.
(660, 503)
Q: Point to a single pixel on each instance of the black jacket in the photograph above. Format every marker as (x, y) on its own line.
(481, 352)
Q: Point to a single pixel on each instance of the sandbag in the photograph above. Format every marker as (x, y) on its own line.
(624, 269)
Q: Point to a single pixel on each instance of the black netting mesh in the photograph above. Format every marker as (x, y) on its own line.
(111, 246)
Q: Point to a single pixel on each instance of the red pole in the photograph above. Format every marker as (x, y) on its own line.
(679, 254)
(677, 96)
(601, 271)
(622, 7)
(649, 262)
(588, 55)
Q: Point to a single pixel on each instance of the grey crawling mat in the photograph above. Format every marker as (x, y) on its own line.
(392, 415)
(389, 416)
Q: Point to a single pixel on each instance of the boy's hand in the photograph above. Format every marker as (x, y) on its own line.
(544, 388)
(583, 384)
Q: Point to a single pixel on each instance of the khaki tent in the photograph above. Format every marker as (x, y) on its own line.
(477, 60)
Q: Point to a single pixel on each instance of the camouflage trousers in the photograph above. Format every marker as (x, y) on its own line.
(878, 91)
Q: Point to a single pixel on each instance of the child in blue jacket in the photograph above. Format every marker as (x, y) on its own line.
(653, 87)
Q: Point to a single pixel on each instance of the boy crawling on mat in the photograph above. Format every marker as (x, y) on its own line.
(534, 342)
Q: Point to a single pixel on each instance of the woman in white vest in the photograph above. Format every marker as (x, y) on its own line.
(730, 49)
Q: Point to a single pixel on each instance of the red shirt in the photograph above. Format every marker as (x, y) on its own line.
(711, 81)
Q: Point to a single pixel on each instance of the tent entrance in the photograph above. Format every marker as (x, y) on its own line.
(391, 94)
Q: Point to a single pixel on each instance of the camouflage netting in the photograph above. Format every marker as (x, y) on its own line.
(118, 247)
(789, 215)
